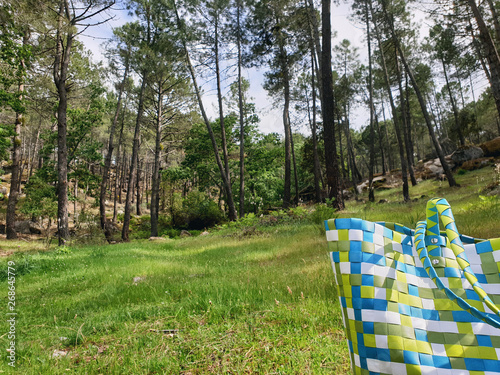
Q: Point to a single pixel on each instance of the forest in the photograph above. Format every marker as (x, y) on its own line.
(126, 146)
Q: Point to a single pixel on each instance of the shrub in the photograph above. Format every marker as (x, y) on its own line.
(198, 211)
(323, 212)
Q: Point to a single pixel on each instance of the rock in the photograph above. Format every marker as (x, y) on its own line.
(466, 153)
(477, 164)
(3, 190)
(450, 161)
(27, 227)
(348, 193)
(491, 148)
(59, 353)
(432, 168)
(138, 279)
(158, 239)
(205, 233)
(184, 233)
(495, 191)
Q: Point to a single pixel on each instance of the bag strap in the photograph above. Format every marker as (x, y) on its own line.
(427, 239)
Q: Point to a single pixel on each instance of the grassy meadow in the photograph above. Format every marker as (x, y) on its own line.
(255, 297)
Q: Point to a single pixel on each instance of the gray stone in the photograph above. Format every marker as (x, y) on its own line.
(159, 239)
(185, 233)
(27, 227)
(466, 153)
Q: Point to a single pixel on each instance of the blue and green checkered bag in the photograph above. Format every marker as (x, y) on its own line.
(420, 301)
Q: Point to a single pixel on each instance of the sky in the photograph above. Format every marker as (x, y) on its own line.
(271, 118)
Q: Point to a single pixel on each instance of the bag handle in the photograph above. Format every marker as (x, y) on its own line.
(428, 233)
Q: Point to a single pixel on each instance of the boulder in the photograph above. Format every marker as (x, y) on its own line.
(433, 168)
(159, 239)
(491, 148)
(185, 233)
(205, 233)
(27, 227)
(477, 163)
(466, 153)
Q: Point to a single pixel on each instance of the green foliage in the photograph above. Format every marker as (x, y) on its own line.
(15, 57)
(6, 132)
(198, 211)
(323, 212)
(41, 199)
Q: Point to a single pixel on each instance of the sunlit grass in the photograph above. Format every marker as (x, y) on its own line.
(474, 217)
(223, 303)
(261, 304)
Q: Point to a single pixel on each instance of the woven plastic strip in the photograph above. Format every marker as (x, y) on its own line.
(440, 208)
(397, 320)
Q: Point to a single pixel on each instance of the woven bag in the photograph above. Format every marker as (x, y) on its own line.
(417, 301)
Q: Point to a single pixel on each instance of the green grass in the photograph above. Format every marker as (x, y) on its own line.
(248, 298)
(228, 297)
(474, 216)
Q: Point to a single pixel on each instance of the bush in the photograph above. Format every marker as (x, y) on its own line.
(321, 213)
(169, 232)
(198, 212)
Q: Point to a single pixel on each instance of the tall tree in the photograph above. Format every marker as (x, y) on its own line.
(395, 114)
(389, 17)
(328, 110)
(123, 51)
(154, 23)
(277, 28)
(69, 17)
(490, 51)
(15, 54)
(184, 39)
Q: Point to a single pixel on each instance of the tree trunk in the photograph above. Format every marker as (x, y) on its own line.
(406, 127)
(453, 106)
(286, 122)
(133, 162)
(61, 63)
(350, 160)
(295, 176)
(490, 51)
(432, 134)
(371, 192)
(219, 99)
(138, 199)
(328, 105)
(118, 169)
(317, 167)
(107, 162)
(385, 134)
(155, 184)
(16, 176)
(242, 116)
(494, 16)
(225, 181)
(381, 143)
(342, 124)
(404, 170)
